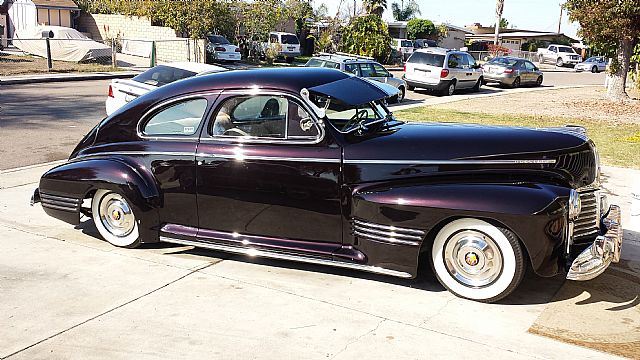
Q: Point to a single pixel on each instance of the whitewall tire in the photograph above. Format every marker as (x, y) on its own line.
(114, 219)
(477, 260)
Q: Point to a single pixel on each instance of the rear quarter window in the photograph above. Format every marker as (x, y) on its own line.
(289, 39)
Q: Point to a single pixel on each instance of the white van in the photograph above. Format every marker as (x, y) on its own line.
(289, 44)
(403, 46)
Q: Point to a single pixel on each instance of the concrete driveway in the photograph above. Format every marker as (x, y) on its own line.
(64, 293)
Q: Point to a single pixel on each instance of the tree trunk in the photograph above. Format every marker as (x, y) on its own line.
(616, 89)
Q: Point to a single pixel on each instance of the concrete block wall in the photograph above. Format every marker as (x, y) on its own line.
(169, 46)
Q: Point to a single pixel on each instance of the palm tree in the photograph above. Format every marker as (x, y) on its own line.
(405, 13)
(499, 10)
(376, 7)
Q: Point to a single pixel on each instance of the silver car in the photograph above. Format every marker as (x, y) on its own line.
(512, 72)
(595, 64)
(360, 66)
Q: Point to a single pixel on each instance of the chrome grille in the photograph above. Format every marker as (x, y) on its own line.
(60, 202)
(587, 222)
(387, 234)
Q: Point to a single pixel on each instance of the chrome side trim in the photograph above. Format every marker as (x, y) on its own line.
(449, 162)
(288, 257)
(60, 202)
(240, 157)
(137, 153)
(387, 234)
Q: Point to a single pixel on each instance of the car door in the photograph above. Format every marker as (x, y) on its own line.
(379, 73)
(551, 54)
(532, 74)
(476, 71)
(459, 66)
(266, 171)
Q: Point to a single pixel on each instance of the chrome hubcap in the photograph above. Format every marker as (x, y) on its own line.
(452, 89)
(473, 258)
(116, 215)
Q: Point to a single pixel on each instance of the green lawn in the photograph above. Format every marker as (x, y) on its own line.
(619, 144)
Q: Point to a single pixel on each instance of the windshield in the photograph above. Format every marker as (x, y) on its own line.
(289, 39)
(347, 118)
(162, 75)
(427, 59)
(503, 61)
(217, 39)
(565, 49)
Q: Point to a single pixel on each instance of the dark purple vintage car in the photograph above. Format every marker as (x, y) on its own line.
(310, 165)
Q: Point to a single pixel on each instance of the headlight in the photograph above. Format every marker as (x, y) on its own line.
(574, 205)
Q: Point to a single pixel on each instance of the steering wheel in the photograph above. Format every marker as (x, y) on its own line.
(233, 131)
(359, 115)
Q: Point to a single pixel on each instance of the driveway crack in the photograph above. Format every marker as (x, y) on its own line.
(191, 272)
(358, 339)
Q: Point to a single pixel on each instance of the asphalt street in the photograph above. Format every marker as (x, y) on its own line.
(43, 122)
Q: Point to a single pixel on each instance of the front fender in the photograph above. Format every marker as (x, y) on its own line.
(535, 212)
(77, 179)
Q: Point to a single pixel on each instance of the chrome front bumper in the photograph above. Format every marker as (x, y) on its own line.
(595, 259)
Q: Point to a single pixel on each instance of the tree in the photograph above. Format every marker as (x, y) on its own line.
(499, 10)
(407, 13)
(504, 23)
(610, 21)
(376, 7)
(420, 29)
(367, 35)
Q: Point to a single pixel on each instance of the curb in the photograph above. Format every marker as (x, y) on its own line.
(28, 167)
(67, 77)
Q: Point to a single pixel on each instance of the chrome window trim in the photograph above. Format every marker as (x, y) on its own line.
(268, 158)
(447, 162)
(207, 137)
(144, 118)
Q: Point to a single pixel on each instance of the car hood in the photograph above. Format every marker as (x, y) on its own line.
(459, 147)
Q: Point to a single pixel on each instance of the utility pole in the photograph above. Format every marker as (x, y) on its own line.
(560, 21)
(354, 8)
(499, 10)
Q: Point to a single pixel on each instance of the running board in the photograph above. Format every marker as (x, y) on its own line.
(289, 257)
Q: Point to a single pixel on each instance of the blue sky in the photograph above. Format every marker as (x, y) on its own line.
(541, 15)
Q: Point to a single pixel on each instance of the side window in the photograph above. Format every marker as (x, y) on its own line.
(366, 70)
(553, 49)
(273, 38)
(529, 66)
(380, 71)
(331, 65)
(177, 119)
(351, 68)
(455, 61)
(263, 116)
(471, 60)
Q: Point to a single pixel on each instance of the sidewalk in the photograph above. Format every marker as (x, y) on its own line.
(58, 77)
(68, 294)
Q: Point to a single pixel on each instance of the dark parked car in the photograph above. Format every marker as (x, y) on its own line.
(308, 164)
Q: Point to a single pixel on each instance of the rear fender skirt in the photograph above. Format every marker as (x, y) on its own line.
(535, 212)
(77, 179)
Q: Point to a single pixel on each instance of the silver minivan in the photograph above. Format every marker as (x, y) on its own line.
(442, 70)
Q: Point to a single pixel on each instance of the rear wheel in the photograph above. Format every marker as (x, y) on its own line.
(114, 219)
(594, 69)
(516, 83)
(477, 260)
(450, 89)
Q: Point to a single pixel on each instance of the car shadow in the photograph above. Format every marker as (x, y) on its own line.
(532, 291)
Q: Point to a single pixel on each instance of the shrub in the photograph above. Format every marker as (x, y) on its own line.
(420, 29)
(367, 35)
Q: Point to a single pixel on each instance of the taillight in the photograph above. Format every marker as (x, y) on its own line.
(110, 91)
(444, 73)
(219, 48)
(237, 49)
(404, 67)
(508, 70)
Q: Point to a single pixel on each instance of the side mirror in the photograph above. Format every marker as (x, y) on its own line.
(389, 75)
(47, 34)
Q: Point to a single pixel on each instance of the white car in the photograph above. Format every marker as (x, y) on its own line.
(594, 64)
(221, 49)
(403, 46)
(288, 45)
(122, 91)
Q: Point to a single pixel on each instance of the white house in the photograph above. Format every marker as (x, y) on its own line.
(24, 14)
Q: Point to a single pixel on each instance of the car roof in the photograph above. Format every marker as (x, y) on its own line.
(342, 58)
(437, 50)
(195, 67)
(282, 33)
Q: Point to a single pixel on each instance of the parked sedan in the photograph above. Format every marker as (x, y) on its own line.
(219, 48)
(594, 64)
(122, 91)
(512, 71)
(309, 165)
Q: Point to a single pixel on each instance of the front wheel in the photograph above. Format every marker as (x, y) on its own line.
(539, 81)
(114, 219)
(559, 62)
(476, 87)
(400, 95)
(410, 87)
(594, 69)
(477, 260)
